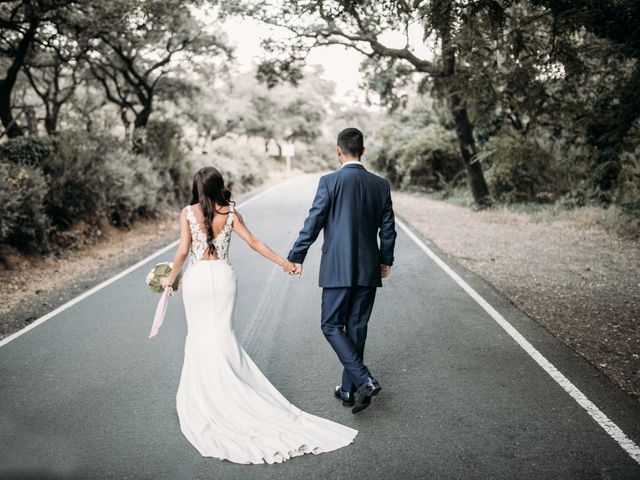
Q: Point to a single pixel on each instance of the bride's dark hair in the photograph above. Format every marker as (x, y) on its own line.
(208, 190)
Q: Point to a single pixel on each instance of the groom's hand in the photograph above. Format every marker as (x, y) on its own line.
(385, 270)
(297, 269)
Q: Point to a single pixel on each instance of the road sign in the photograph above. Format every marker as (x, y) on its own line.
(288, 150)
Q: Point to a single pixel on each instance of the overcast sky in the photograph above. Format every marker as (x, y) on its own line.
(340, 64)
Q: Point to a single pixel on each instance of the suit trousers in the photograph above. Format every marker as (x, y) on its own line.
(345, 315)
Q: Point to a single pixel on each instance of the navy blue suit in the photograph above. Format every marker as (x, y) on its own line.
(353, 208)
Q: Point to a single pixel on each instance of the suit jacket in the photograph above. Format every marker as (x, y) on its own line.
(353, 207)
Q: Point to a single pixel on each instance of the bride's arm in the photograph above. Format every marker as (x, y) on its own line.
(182, 252)
(258, 245)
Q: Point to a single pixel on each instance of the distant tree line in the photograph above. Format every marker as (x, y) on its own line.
(72, 67)
(99, 102)
(542, 96)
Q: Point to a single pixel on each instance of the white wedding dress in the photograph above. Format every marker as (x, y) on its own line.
(227, 408)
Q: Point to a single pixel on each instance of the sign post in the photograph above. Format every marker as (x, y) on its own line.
(288, 151)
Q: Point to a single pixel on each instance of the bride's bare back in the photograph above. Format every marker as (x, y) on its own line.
(219, 222)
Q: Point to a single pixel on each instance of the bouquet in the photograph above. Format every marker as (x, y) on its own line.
(157, 273)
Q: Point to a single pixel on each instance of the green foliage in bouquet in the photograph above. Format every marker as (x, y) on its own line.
(160, 271)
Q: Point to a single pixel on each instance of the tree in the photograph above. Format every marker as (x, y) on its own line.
(20, 26)
(282, 113)
(362, 26)
(615, 113)
(285, 113)
(139, 44)
(54, 74)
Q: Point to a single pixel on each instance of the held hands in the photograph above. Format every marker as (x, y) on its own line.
(385, 270)
(291, 268)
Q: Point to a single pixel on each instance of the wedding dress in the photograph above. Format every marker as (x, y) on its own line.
(227, 408)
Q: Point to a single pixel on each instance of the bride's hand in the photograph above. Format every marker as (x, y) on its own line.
(288, 267)
(166, 282)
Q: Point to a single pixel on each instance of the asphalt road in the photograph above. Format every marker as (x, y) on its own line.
(86, 395)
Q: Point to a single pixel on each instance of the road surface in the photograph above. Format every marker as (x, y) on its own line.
(86, 395)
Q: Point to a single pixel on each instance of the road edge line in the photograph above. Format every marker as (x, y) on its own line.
(594, 412)
(118, 276)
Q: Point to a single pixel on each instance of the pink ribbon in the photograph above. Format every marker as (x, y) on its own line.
(161, 309)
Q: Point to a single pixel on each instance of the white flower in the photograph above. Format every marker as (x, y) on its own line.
(150, 276)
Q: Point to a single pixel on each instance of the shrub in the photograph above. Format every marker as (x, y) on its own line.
(242, 164)
(94, 176)
(78, 179)
(23, 223)
(134, 186)
(425, 157)
(522, 171)
(161, 141)
(27, 150)
(78, 185)
(627, 191)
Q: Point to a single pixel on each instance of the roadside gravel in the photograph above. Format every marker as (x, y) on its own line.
(578, 280)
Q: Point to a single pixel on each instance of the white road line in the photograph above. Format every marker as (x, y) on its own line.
(611, 428)
(117, 277)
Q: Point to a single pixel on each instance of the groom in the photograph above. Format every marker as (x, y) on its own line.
(353, 207)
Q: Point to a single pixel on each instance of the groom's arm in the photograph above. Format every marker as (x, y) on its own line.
(313, 224)
(387, 230)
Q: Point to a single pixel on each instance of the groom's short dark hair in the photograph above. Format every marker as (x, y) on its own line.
(351, 142)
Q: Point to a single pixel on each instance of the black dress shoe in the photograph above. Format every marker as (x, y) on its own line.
(346, 397)
(362, 397)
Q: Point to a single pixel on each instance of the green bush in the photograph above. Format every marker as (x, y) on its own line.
(27, 150)
(425, 158)
(627, 191)
(78, 184)
(522, 171)
(95, 176)
(23, 223)
(48, 186)
(134, 186)
(241, 166)
(161, 141)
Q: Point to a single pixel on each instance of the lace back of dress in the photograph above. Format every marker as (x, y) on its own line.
(199, 238)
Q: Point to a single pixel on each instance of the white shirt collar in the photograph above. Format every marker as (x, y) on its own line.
(352, 162)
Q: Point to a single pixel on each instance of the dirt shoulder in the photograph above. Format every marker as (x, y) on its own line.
(578, 280)
(36, 284)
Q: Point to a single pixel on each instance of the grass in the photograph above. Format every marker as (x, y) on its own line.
(612, 219)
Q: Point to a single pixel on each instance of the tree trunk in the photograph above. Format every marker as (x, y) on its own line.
(464, 127)
(32, 121)
(464, 130)
(140, 122)
(9, 81)
(142, 118)
(126, 123)
(51, 119)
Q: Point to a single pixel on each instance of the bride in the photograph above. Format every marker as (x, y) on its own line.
(226, 407)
